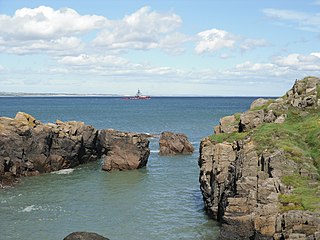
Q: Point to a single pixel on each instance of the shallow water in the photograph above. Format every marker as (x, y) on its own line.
(161, 201)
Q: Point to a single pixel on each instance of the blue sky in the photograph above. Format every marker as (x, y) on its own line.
(200, 48)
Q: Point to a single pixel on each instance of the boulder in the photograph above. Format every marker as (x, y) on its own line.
(228, 124)
(250, 120)
(174, 143)
(259, 103)
(84, 236)
(123, 150)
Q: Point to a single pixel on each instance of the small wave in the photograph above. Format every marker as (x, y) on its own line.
(30, 208)
(154, 151)
(64, 171)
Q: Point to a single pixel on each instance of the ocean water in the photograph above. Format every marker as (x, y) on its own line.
(161, 201)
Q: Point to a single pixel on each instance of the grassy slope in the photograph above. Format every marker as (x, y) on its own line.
(299, 137)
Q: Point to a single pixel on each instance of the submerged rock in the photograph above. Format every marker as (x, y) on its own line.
(84, 236)
(174, 143)
(123, 150)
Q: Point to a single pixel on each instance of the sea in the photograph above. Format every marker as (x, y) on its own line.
(160, 201)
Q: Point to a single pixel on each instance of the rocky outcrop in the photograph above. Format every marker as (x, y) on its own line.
(84, 236)
(174, 143)
(28, 147)
(123, 150)
(303, 95)
(242, 186)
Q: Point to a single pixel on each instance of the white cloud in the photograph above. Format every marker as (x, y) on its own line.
(143, 29)
(249, 44)
(109, 65)
(60, 46)
(93, 60)
(213, 40)
(301, 20)
(45, 29)
(46, 23)
(289, 67)
(300, 62)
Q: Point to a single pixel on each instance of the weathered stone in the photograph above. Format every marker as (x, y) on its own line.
(258, 103)
(123, 150)
(29, 147)
(228, 124)
(84, 236)
(174, 143)
(250, 120)
(241, 187)
(281, 118)
(270, 117)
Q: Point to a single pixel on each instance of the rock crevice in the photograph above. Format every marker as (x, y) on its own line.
(29, 147)
(242, 185)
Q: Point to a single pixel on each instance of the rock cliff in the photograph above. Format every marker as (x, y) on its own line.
(259, 173)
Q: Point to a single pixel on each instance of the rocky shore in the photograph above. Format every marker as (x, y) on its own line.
(259, 172)
(29, 147)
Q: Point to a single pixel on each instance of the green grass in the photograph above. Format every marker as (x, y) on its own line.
(299, 138)
(228, 137)
(264, 106)
(305, 195)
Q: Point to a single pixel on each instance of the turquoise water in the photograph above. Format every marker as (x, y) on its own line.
(161, 201)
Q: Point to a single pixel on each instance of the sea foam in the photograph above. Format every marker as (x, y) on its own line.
(64, 171)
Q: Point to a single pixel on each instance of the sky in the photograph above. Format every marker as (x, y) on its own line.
(164, 48)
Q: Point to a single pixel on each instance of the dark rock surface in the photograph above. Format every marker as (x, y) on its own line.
(123, 150)
(29, 147)
(174, 143)
(84, 236)
(241, 186)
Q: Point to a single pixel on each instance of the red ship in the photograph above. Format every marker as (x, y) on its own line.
(138, 96)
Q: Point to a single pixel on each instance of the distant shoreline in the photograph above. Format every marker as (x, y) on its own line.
(9, 94)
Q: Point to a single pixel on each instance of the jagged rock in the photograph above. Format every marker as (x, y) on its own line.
(281, 118)
(250, 120)
(84, 236)
(241, 187)
(174, 143)
(228, 124)
(270, 117)
(304, 93)
(28, 147)
(123, 150)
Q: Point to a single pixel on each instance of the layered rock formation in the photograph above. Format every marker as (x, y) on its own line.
(29, 147)
(123, 150)
(174, 143)
(260, 188)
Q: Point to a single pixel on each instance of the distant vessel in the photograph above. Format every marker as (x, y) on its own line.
(138, 96)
